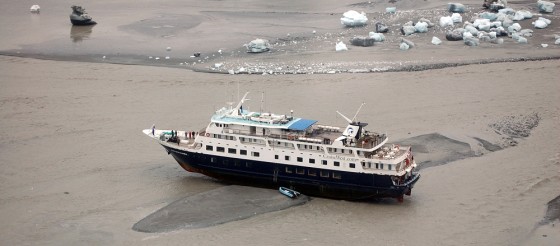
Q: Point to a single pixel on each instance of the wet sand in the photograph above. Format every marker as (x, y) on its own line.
(76, 168)
(218, 206)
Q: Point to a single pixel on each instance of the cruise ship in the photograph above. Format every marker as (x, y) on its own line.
(270, 150)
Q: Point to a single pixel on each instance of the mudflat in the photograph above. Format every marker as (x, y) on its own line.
(76, 168)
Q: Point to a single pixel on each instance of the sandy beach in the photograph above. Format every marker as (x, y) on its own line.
(75, 167)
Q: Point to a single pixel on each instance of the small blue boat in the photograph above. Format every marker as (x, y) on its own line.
(288, 192)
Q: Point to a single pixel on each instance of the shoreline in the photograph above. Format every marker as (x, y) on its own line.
(402, 68)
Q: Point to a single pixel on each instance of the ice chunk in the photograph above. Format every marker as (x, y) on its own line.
(489, 16)
(523, 13)
(258, 45)
(456, 7)
(471, 29)
(514, 28)
(430, 24)
(421, 27)
(540, 24)
(455, 35)
(352, 18)
(545, 6)
(544, 45)
(471, 41)
(340, 46)
(436, 41)
(478, 22)
(377, 37)
(404, 46)
(408, 30)
(506, 11)
(381, 28)
(457, 18)
(445, 21)
(35, 8)
(507, 22)
(497, 41)
(526, 33)
(522, 40)
(391, 10)
(408, 42)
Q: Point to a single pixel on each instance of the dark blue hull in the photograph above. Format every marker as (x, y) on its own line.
(309, 181)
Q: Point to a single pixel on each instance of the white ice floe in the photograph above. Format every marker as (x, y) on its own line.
(457, 18)
(352, 18)
(514, 28)
(340, 46)
(541, 23)
(545, 6)
(35, 8)
(421, 27)
(377, 37)
(445, 21)
(258, 46)
(436, 41)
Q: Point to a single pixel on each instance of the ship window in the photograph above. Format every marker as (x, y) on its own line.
(255, 154)
(350, 151)
(276, 157)
(337, 164)
(352, 165)
(324, 174)
(324, 162)
(381, 166)
(243, 152)
(376, 165)
(390, 166)
(287, 158)
(220, 149)
(329, 149)
(336, 175)
(288, 170)
(342, 150)
(232, 151)
(209, 147)
(299, 159)
(300, 171)
(312, 161)
(312, 172)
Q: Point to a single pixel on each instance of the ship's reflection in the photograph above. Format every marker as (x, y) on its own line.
(79, 33)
